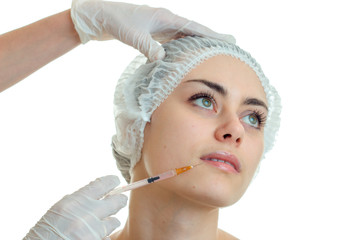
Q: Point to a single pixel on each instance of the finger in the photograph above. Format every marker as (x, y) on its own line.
(110, 224)
(172, 25)
(111, 205)
(148, 46)
(157, 53)
(188, 27)
(194, 28)
(101, 186)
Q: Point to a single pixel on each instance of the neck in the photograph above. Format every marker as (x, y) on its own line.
(155, 213)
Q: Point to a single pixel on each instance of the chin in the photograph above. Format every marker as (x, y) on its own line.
(214, 196)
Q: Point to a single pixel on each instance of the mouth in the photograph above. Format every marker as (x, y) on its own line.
(223, 160)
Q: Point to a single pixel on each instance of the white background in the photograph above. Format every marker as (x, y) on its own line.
(56, 126)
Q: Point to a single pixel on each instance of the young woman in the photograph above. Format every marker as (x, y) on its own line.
(207, 103)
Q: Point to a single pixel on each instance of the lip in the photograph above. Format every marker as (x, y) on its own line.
(226, 157)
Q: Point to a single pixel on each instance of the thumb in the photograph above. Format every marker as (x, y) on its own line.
(150, 48)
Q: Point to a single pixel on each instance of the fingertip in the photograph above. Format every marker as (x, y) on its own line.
(150, 48)
(116, 202)
(194, 28)
(111, 223)
(110, 180)
(112, 204)
(157, 54)
(229, 38)
(224, 37)
(123, 199)
(99, 187)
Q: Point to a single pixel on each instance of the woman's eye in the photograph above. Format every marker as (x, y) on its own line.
(252, 120)
(204, 102)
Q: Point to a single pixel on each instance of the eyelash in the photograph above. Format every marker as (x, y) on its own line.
(208, 95)
(261, 117)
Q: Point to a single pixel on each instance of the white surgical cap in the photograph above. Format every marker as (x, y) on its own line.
(144, 85)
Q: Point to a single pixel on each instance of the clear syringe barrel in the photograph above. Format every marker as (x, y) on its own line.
(162, 176)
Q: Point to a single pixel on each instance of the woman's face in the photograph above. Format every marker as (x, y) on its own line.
(216, 113)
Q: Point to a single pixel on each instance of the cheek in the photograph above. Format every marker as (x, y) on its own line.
(170, 140)
(253, 150)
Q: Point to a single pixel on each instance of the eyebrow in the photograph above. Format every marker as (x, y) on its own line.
(217, 87)
(220, 89)
(256, 102)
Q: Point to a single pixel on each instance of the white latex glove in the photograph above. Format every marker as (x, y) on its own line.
(82, 215)
(137, 26)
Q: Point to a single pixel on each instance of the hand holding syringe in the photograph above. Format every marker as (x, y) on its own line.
(160, 177)
(83, 208)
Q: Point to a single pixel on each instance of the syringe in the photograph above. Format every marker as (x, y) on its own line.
(144, 182)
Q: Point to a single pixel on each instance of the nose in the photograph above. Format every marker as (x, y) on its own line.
(230, 131)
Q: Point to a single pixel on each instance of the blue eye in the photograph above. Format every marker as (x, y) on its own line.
(255, 119)
(252, 120)
(204, 102)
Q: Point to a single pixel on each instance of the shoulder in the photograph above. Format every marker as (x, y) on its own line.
(226, 236)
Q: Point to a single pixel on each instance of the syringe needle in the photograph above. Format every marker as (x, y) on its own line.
(144, 182)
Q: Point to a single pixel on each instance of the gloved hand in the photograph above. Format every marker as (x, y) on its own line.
(137, 26)
(82, 215)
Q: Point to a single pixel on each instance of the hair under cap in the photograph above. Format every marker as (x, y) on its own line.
(144, 85)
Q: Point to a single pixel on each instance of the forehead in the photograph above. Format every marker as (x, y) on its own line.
(233, 74)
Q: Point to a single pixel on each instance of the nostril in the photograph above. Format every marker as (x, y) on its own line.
(227, 136)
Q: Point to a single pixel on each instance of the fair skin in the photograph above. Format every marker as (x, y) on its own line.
(186, 127)
(27, 49)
